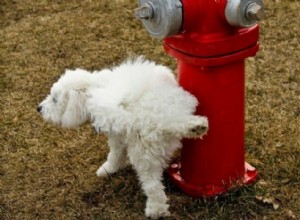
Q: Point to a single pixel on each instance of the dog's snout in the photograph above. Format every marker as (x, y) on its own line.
(39, 108)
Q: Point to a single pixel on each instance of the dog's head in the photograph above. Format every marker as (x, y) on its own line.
(65, 105)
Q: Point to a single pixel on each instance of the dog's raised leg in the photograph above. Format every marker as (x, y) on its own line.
(116, 159)
(149, 169)
(197, 126)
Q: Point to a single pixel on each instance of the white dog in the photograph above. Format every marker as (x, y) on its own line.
(141, 109)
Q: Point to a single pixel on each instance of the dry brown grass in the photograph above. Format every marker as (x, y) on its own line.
(48, 173)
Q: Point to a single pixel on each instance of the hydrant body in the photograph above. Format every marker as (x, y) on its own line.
(213, 165)
(211, 55)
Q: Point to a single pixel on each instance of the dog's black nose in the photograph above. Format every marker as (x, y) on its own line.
(39, 108)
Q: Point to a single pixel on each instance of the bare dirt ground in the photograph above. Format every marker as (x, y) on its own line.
(49, 173)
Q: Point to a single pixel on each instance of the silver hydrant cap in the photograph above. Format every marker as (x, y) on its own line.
(244, 13)
(161, 18)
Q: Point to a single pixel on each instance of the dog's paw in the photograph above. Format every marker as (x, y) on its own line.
(102, 172)
(157, 210)
(199, 128)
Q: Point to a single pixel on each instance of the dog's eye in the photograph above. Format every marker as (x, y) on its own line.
(54, 99)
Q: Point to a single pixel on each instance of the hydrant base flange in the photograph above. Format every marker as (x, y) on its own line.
(209, 190)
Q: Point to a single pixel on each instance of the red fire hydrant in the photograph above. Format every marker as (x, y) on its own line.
(210, 40)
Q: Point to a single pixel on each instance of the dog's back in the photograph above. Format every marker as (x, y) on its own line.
(142, 96)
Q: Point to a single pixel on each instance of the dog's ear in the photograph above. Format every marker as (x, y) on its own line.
(75, 113)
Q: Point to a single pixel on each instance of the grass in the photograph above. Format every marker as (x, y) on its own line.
(49, 173)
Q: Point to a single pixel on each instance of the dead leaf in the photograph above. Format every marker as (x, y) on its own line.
(268, 201)
(291, 214)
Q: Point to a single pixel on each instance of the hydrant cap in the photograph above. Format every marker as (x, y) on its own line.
(244, 13)
(161, 18)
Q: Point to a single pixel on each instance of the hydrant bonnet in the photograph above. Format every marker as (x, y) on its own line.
(161, 18)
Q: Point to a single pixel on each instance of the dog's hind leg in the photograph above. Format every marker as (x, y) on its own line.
(195, 127)
(117, 158)
(149, 169)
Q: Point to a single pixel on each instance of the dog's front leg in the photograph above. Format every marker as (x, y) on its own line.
(149, 169)
(116, 159)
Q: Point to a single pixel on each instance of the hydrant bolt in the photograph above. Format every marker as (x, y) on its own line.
(144, 12)
(254, 12)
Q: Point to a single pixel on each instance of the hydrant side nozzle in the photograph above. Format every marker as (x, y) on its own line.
(244, 13)
(161, 18)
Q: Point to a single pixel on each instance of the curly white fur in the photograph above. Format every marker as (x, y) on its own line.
(142, 110)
